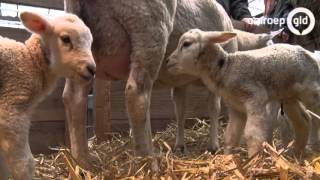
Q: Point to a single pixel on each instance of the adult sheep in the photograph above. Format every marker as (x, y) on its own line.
(131, 41)
(60, 47)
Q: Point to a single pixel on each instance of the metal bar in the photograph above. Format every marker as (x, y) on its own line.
(9, 18)
(51, 4)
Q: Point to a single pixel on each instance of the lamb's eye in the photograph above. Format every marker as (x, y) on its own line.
(186, 44)
(65, 39)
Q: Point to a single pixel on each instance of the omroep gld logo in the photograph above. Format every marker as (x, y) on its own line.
(301, 21)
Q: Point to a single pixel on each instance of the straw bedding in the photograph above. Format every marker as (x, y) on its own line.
(117, 161)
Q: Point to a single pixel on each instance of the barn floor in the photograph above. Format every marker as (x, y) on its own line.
(116, 161)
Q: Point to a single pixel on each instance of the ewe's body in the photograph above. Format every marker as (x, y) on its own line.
(131, 41)
(29, 71)
(248, 81)
(249, 41)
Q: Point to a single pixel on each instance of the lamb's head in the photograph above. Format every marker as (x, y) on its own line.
(195, 49)
(66, 41)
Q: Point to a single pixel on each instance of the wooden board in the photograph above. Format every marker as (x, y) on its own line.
(46, 134)
(161, 104)
(51, 4)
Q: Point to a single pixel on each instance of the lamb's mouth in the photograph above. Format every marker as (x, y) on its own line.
(86, 77)
(171, 65)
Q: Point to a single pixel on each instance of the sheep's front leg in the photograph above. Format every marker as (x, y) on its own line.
(178, 96)
(148, 49)
(299, 119)
(75, 98)
(14, 145)
(214, 107)
(234, 131)
(4, 172)
(138, 97)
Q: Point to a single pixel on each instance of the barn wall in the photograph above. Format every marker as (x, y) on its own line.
(162, 111)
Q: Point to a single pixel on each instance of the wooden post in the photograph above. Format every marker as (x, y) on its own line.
(102, 109)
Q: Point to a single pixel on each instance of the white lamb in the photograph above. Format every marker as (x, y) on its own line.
(245, 41)
(57, 48)
(247, 81)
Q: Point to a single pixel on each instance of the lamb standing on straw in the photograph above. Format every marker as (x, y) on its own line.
(249, 80)
(58, 48)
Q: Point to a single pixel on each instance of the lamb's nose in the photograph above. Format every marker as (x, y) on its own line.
(91, 69)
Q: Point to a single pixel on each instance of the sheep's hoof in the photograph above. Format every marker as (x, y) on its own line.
(182, 148)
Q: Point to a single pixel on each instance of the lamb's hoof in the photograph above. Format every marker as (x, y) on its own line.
(181, 149)
(155, 166)
(213, 149)
(313, 147)
(89, 162)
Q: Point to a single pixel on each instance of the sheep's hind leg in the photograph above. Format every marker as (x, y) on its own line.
(299, 119)
(178, 96)
(146, 58)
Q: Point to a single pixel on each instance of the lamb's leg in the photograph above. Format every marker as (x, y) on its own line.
(214, 107)
(314, 124)
(75, 98)
(17, 154)
(4, 172)
(286, 129)
(299, 119)
(258, 128)
(178, 96)
(234, 131)
(313, 140)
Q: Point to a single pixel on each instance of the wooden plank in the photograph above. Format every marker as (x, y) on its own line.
(161, 104)
(102, 109)
(52, 4)
(46, 134)
(52, 114)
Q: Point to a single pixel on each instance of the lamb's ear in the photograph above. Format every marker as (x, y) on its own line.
(35, 22)
(220, 37)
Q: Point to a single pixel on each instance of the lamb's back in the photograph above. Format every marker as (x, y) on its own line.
(17, 73)
(275, 67)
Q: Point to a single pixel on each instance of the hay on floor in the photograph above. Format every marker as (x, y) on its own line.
(116, 160)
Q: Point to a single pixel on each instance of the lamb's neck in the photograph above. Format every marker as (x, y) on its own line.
(41, 64)
(215, 71)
